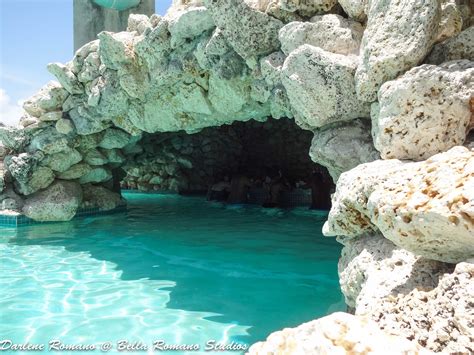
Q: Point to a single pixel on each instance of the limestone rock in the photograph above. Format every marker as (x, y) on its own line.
(21, 166)
(49, 141)
(100, 197)
(372, 268)
(398, 36)
(250, 32)
(440, 318)
(342, 146)
(62, 161)
(332, 33)
(13, 138)
(64, 126)
(139, 23)
(338, 333)
(114, 138)
(457, 47)
(75, 172)
(39, 179)
(307, 8)
(50, 98)
(320, 86)
(116, 49)
(86, 122)
(96, 175)
(66, 77)
(426, 207)
(424, 112)
(356, 9)
(451, 20)
(94, 157)
(59, 202)
(189, 24)
(51, 116)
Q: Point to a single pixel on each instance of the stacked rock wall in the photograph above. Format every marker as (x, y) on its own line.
(385, 86)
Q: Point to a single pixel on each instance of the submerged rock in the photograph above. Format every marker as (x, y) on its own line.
(59, 202)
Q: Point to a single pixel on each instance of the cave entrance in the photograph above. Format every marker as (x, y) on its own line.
(192, 163)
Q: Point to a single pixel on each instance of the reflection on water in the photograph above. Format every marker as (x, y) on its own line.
(172, 268)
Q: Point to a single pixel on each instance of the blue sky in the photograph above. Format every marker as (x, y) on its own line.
(34, 33)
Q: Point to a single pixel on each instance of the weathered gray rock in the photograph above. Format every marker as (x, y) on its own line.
(356, 9)
(66, 77)
(307, 8)
(338, 333)
(424, 112)
(332, 33)
(94, 157)
(139, 23)
(22, 165)
(50, 98)
(96, 175)
(49, 141)
(250, 32)
(460, 46)
(114, 138)
(59, 202)
(320, 86)
(440, 318)
(64, 126)
(62, 161)
(426, 207)
(51, 116)
(13, 138)
(100, 197)
(75, 172)
(450, 20)
(342, 146)
(39, 179)
(398, 36)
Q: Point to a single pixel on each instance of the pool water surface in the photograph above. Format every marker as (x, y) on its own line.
(174, 269)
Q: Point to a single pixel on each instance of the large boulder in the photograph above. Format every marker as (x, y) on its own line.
(342, 146)
(338, 333)
(250, 32)
(398, 36)
(332, 33)
(100, 197)
(424, 112)
(50, 98)
(320, 86)
(59, 202)
(426, 207)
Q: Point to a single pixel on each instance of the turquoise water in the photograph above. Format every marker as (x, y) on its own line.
(177, 269)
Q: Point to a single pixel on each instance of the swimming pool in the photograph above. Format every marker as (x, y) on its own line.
(174, 269)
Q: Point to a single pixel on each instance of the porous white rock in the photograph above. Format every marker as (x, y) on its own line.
(50, 98)
(307, 8)
(356, 9)
(450, 20)
(342, 146)
(460, 46)
(116, 49)
(332, 33)
(372, 268)
(66, 77)
(51, 116)
(424, 112)
(320, 86)
(440, 318)
(338, 333)
(139, 23)
(398, 36)
(188, 24)
(424, 207)
(250, 32)
(59, 202)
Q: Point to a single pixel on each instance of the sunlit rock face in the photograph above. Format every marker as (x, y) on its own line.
(426, 208)
(155, 100)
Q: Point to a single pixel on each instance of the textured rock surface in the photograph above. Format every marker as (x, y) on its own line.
(320, 86)
(440, 319)
(338, 333)
(59, 202)
(426, 207)
(398, 36)
(100, 197)
(342, 146)
(332, 33)
(460, 46)
(356, 9)
(424, 112)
